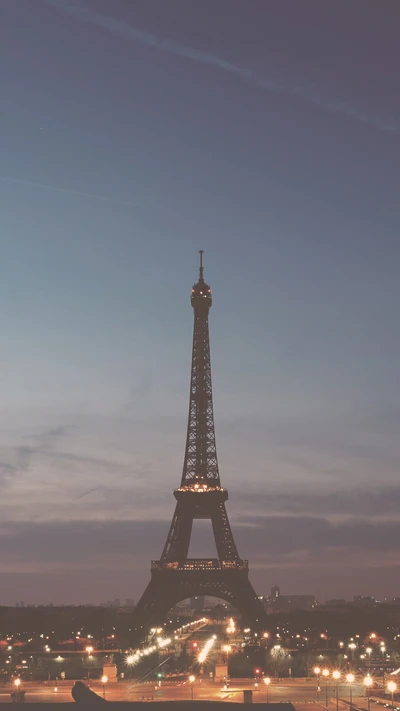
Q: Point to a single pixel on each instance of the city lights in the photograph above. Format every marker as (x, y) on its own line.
(204, 652)
(231, 628)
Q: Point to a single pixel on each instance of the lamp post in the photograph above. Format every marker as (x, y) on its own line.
(325, 673)
(130, 660)
(227, 648)
(317, 672)
(350, 678)
(352, 646)
(267, 682)
(104, 680)
(368, 683)
(192, 679)
(369, 652)
(392, 686)
(336, 676)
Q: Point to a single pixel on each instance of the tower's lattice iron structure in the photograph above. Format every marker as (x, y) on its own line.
(175, 576)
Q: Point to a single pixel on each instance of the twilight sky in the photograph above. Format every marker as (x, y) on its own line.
(133, 134)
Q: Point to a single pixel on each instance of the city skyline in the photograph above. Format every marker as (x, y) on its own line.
(134, 137)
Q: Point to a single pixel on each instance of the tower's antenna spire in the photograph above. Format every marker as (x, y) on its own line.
(201, 252)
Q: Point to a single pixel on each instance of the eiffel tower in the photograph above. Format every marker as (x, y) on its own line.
(176, 577)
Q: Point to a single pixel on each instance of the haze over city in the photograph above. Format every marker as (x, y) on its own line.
(135, 134)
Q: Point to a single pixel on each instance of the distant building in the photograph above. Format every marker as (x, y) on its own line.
(293, 602)
(113, 603)
(275, 592)
(336, 603)
(363, 600)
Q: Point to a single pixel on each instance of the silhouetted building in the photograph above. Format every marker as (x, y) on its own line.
(275, 592)
(285, 603)
(363, 600)
(113, 603)
(335, 603)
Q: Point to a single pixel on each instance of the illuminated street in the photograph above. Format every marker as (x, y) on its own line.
(300, 692)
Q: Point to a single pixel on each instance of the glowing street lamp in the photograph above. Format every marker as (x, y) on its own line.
(17, 683)
(336, 676)
(391, 687)
(317, 672)
(368, 683)
(192, 679)
(350, 679)
(104, 680)
(352, 646)
(89, 650)
(325, 673)
(267, 682)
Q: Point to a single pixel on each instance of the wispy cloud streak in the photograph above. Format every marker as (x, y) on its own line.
(307, 91)
(68, 191)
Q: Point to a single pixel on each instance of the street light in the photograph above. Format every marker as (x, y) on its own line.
(369, 652)
(192, 679)
(227, 648)
(17, 683)
(392, 686)
(267, 682)
(325, 673)
(104, 680)
(317, 672)
(352, 646)
(350, 678)
(368, 683)
(336, 676)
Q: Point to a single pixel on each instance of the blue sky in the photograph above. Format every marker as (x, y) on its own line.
(134, 135)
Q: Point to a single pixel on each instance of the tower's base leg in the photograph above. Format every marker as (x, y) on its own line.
(167, 588)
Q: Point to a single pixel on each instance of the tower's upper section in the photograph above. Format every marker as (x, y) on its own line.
(201, 292)
(200, 467)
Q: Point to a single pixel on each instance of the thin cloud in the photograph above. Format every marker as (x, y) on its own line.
(68, 191)
(373, 502)
(310, 92)
(259, 539)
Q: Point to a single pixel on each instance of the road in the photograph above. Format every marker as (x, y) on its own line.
(297, 692)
